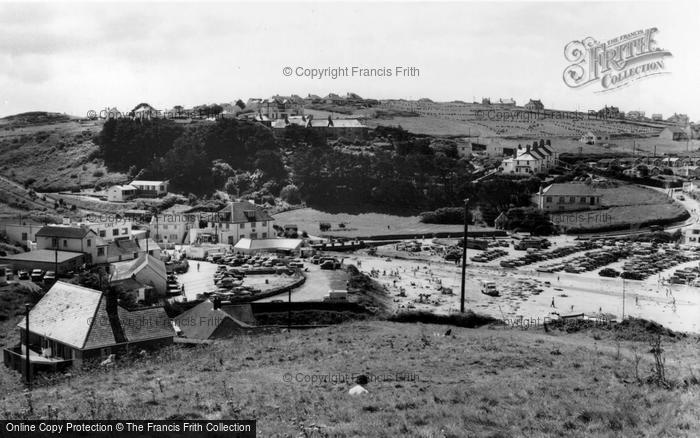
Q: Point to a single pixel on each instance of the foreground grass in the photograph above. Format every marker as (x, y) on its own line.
(471, 382)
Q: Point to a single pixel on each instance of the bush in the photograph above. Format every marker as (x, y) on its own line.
(445, 215)
(291, 194)
(98, 173)
(608, 272)
(468, 319)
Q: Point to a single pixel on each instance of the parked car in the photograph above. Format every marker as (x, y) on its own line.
(37, 275)
(23, 275)
(49, 278)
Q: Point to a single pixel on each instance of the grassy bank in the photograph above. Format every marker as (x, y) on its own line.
(471, 382)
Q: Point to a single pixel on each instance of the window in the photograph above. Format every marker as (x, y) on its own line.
(583, 199)
(24, 236)
(100, 251)
(103, 233)
(561, 199)
(549, 199)
(125, 231)
(264, 235)
(54, 242)
(242, 236)
(264, 224)
(242, 227)
(115, 232)
(65, 243)
(572, 199)
(89, 243)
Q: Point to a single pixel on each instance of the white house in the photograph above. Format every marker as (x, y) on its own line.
(236, 221)
(153, 188)
(121, 193)
(532, 159)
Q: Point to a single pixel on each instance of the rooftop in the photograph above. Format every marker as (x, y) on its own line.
(268, 244)
(44, 255)
(66, 232)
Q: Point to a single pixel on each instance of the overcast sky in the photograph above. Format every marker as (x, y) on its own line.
(75, 57)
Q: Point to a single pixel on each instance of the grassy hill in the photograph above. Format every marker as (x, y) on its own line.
(52, 153)
(492, 381)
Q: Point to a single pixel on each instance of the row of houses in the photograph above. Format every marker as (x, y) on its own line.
(539, 157)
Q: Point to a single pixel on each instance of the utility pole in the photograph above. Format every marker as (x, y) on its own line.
(623, 299)
(289, 312)
(464, 251)
(27, 366)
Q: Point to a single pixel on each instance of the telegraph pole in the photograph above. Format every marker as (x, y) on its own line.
(464, 251)
(623, 299)
(27, 366)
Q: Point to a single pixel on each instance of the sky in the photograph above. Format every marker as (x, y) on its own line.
(71, 57)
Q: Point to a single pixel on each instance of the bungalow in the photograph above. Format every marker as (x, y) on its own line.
(152, 188)
(73, 239)
(691, 235)
(146, 277)
(121, 193)
(567, 197)
(72, 324)
(591, 138)
(60, 262)
(208, 321)
(674, 133)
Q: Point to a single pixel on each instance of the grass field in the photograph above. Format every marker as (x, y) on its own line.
(356, 225)
(494, 382)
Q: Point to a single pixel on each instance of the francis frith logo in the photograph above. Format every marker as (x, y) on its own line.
(615, 63)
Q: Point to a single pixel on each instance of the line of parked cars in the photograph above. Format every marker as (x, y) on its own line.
(489, 255)
(533, 256)
(689, 276)
(641, 267)
(39, 276)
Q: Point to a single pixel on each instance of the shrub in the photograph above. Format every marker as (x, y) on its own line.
(290, 194)
(445, 215)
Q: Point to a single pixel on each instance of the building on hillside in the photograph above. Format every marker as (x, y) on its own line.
(209, 321)
(532, 159)
(609, 112)
(277, 107)
(146, 276)
(679, 119)
(534, 105)
(687, 171)
(235, 221)
(171, 226)
(72, 324)
(635, 115)
(150, 188)
(691, 186)
(506, 102)
(122, 250)
(121, 193)
(279, 246)
(312, 98)
(674, 133)
(144, 111)
(568, 197)
(501, 221)
(61, 262)
(592, 138)
(73, 239)
(331, 128)
(657, 117)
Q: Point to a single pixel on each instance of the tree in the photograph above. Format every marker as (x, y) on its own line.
(290, 194)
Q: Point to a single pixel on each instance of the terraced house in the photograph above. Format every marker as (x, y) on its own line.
(531, 159)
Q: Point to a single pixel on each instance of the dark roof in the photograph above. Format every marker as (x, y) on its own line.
(570, 189)
(43, 255)
(204, 322)
(240, 212)
(77, 316)
(122, 247)
(63, 232)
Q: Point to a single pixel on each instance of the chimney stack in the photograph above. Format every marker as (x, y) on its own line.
(527, 148)
(217, 303)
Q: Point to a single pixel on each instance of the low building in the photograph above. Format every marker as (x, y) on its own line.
(144, 273)
(568, 197)
(592, 138)
(47, 260)
(72, 324)
(674, 133)
(209, 321)
(283, 246)
(121, 193)
(691, 235)
(691, 186)
(330, 128)
(150, 188)
(74, 239)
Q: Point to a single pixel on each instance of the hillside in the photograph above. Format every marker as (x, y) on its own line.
(52, 154)
(492, 381)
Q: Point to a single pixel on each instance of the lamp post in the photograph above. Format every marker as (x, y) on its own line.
(464, 252)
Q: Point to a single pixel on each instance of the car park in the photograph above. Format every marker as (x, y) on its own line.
(37, 275)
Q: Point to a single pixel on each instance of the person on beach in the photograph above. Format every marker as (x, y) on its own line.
(552, 305)
(197, 267)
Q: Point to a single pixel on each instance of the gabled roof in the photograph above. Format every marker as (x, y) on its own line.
(64, 232)
(146, 182)
(128, 269)
(122, 247)
(77, 316)
(570, 189)
(202, 321)
(240, 212)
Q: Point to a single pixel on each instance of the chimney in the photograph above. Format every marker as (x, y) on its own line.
(217, 303)
(528, 148)
(113, 315)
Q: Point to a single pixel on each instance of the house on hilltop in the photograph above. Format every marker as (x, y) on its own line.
(534, 105)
